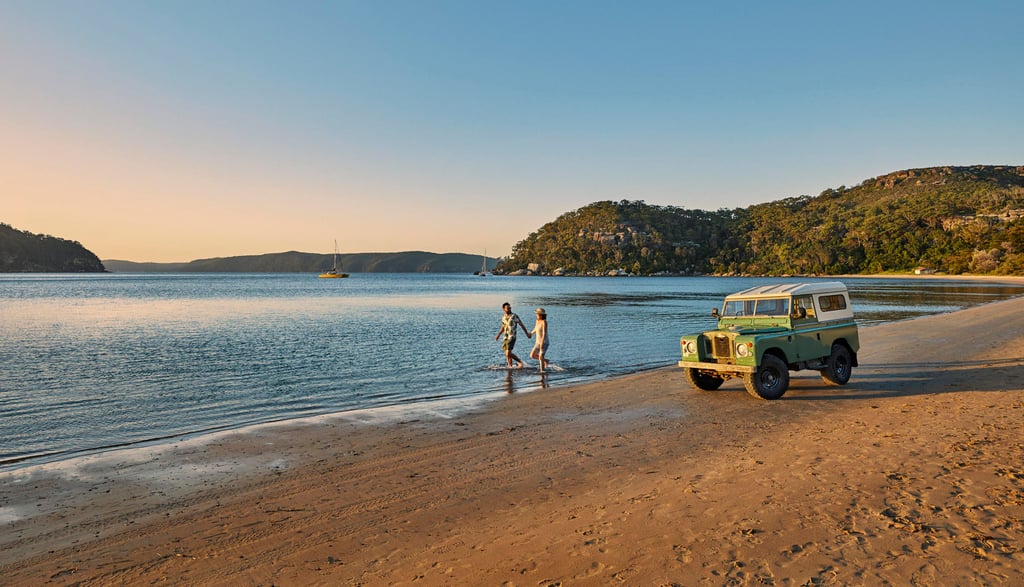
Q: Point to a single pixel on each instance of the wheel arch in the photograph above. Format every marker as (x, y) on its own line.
(776, 351)
(853, 353)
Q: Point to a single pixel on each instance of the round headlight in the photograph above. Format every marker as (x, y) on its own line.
(742, 350)
(690, 347)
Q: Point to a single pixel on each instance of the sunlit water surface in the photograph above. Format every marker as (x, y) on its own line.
(94, 361)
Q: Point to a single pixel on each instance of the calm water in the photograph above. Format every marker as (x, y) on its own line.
(94, 361)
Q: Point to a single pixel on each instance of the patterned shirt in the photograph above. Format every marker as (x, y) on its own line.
(508, 324)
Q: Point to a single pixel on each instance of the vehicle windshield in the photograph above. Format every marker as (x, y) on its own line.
(760, 307)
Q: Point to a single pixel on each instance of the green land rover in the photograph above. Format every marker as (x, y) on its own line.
(767, 331)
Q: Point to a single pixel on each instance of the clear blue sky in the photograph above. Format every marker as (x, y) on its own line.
(169, 131)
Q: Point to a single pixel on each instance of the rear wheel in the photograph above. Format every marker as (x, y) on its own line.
(770, 380)
(702, 380)
(840, 366)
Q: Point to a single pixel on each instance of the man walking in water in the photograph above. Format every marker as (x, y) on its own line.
(508, 328)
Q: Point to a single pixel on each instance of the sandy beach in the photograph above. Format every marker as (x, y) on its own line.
(913, 474)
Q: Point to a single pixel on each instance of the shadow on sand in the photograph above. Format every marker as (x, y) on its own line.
(876, 380)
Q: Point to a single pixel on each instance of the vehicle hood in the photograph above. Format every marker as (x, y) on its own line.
(747, 330)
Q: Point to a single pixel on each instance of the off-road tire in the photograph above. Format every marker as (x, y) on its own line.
(770, 380)
(839, 366)
(702, 380)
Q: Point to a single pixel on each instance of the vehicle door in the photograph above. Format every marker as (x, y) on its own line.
(806, 332)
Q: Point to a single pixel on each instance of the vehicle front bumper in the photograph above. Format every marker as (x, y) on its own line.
(717, 367)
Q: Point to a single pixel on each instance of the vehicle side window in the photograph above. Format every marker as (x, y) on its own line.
(803, 308)
(831, 303)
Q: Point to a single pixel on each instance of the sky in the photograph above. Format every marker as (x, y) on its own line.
(176, 130)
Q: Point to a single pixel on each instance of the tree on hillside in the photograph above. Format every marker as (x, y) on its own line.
(952, 219)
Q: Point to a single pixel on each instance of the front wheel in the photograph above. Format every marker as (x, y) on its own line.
(770, 380)
(839, 367)
(702, 380)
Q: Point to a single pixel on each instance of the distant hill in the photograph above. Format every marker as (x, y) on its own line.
(296, 262)
(25, 252)
(943, 219)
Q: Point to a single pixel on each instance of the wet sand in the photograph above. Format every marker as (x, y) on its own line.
(911, 474)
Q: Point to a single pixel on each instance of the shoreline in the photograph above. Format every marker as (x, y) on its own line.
(910, 472)
(452, 405)
(1013, 279)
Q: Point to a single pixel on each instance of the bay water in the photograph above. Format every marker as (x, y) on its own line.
(90, 362)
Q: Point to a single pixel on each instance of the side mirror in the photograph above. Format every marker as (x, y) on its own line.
(714, 312)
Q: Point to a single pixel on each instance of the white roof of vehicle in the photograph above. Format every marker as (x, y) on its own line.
(767, 291)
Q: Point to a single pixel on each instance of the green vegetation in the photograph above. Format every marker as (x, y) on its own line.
(633, 236)
(25, 252)
(944, 219)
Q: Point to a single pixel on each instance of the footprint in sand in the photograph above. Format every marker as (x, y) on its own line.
(796, 552)
(683, 553)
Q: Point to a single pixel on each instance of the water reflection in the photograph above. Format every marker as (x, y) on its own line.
(877, 300)
(527, 379)
(598, 299)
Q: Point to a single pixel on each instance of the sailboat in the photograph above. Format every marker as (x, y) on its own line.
(483, 269)
(333, 272)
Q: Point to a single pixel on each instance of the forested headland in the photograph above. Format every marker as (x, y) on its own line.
(25, 252)
(952, 220)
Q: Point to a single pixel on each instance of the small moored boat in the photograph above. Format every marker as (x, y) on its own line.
(483, 269)
(334, 272)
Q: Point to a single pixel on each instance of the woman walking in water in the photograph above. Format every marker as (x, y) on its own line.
(540, 345)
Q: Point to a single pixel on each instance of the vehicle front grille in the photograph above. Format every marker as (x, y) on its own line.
(723, 348)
